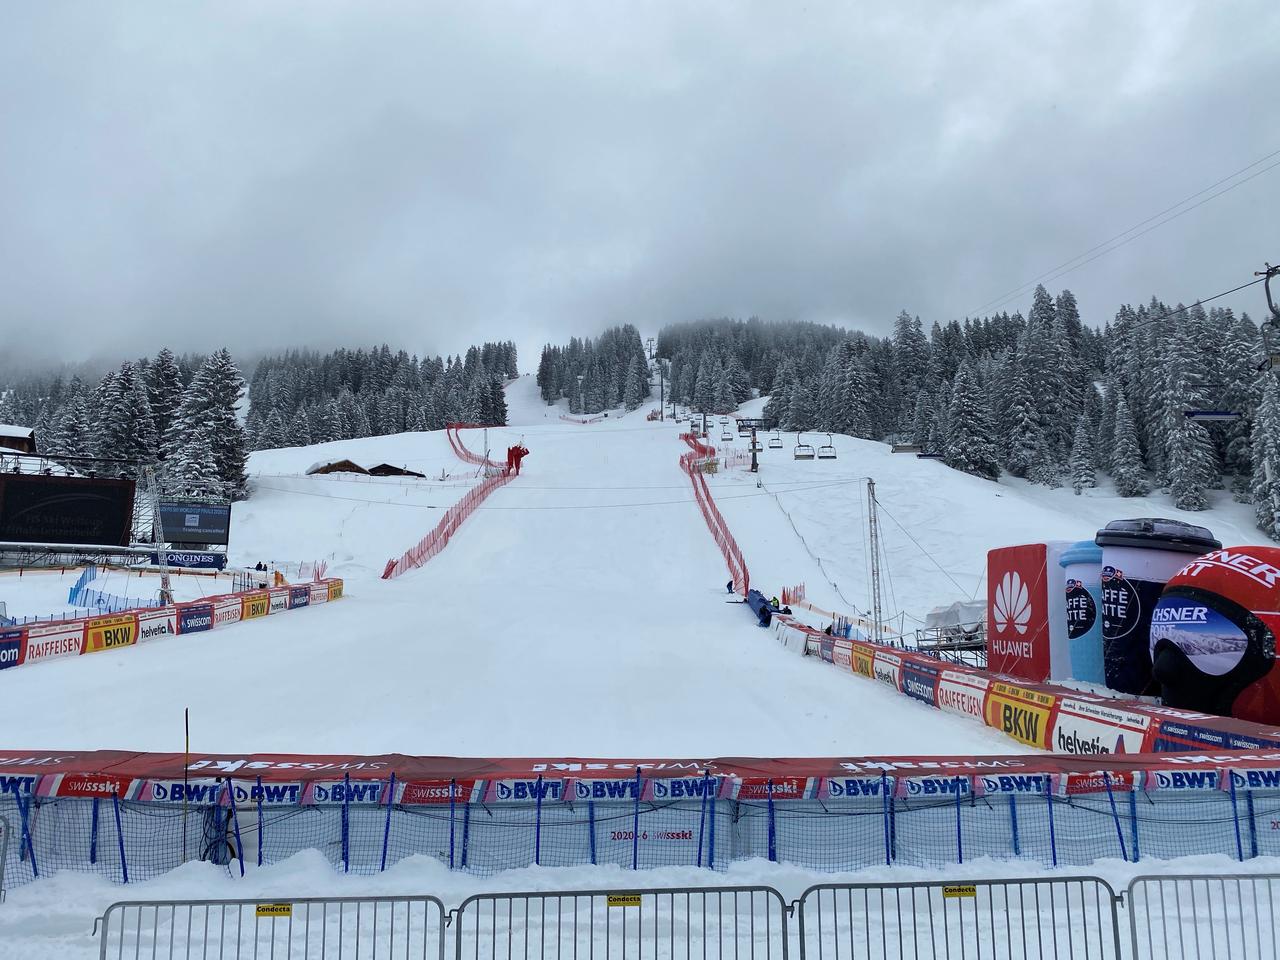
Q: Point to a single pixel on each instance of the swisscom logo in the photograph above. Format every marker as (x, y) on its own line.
(1013, 606)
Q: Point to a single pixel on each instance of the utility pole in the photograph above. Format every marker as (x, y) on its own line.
(651, 348)
(755, 464)
(662, 391)
(873, 524)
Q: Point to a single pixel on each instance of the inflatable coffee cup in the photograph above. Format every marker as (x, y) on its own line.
(1082, 565)
(1138, 558)
(1213, 635)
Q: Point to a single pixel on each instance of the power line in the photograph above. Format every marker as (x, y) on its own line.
(568, 506)
(1107, 246)
(1203, 300)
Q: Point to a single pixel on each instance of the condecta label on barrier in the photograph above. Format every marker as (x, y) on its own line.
(624, 899)
(274, 910)
(952, 891)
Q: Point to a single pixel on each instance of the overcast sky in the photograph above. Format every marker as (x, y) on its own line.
(270, 174)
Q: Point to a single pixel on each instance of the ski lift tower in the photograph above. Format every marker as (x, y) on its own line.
(873, 531)
(151, 493)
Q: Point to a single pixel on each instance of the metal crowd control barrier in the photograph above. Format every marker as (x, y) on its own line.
(712, 923)
(1228, 917)
(286, 930)
(1025, 918)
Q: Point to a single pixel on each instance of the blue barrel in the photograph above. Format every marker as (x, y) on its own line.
(1082, 564)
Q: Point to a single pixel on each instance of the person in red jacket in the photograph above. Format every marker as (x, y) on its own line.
(511, 457)
(519, 452)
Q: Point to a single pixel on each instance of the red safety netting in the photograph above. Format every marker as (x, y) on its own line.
(443, 532)
(460, 449)
(690, 463)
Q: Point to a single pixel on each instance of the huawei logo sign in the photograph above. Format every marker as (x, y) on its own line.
(1012, 604)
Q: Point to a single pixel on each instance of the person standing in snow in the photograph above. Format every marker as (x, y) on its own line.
(519, 452)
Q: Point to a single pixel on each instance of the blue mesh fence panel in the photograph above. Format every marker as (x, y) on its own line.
(836, 834)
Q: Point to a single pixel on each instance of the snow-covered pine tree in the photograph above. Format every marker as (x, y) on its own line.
(1241, 392)
(298, 430)
(1266, 458)
(1024, 436)
(1081, 464)
(164, 392)
(272, 434)
(636, 381)
(209, 417)
(970, 442)
(922, 423)
(739, 381)
(1127, 468)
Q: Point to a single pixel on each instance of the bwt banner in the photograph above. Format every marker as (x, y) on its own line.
(1026, 612)
(293, 779)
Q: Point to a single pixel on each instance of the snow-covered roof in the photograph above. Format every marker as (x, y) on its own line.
(13, 430)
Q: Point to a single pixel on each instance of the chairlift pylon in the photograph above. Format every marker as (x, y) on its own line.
(803, 451)
(827, 451)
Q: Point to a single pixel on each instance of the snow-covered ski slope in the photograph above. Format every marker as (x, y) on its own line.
(936, 524)
(581, 611)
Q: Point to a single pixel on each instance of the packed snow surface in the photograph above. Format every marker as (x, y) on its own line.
(582, 611)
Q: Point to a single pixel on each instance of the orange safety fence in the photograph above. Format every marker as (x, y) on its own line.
(443, 532)
(729, 549)
(460, 449)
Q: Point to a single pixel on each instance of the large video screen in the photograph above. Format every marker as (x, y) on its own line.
(195, 522)
(88, 510)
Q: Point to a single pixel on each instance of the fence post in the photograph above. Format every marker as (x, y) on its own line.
(93, 835)
(235, 823)
(1048, 799)
(773, 828)
(959, 836)
(1013, 823)
(124, 864)
(346, 823)
(1253, 826)
(1115, 816)
(261, 823)
(635, 826)
(591, 829)
(23, 807)
(453, 812)
(1235, 818)
(537, 824)
(711, 840)
(1133, 822)
(466, 831)
(386, 827)
(702, 816)
(884, 807)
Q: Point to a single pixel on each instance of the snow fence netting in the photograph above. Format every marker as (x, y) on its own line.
(443, 532)
(129, 816)
(691, 463)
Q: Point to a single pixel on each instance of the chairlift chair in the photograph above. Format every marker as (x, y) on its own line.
(1210, 416)
(775, 441)
(827, 451)
(724, 421)
(803, 451)
(756, 446)
(726, 435)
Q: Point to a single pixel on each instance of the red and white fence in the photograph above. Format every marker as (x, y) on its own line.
(689, 463)
(443, 532)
